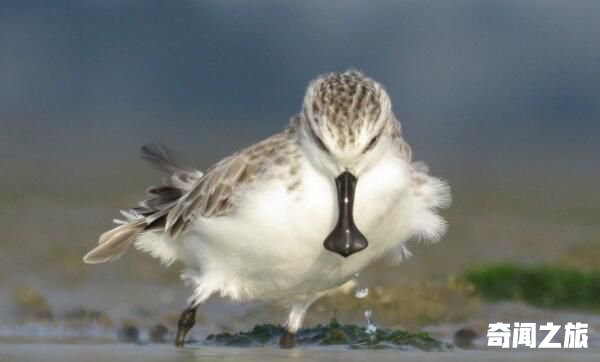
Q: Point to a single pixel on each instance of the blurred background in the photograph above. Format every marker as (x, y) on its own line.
(500, 98)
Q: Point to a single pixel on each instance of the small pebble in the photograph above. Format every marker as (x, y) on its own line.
(31, 305)
(158, 334)
(464, 337)
(128, 334)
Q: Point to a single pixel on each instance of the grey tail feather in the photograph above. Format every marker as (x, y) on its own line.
(151, 213)
(159, 156)
(114, 243)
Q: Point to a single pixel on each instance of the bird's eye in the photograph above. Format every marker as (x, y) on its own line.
(317, 139)
(371, 144)
(320, 143)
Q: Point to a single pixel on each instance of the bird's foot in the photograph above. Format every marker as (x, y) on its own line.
(185, 323)
(287, 340)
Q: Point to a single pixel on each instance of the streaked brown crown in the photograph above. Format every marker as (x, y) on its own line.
(341, 106)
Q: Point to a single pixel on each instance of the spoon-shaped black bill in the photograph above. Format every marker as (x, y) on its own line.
(345, 239)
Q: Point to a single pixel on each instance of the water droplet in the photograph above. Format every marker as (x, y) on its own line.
(361, 293)
(371, 328)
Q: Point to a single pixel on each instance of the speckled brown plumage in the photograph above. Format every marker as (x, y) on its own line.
(341, 104)
(215, 194)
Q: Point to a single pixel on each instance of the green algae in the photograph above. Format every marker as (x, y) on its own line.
(332, 334)
(546, 286)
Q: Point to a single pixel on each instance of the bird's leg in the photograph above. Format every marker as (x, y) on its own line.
(185, 323)
(287, 340)
(293, 323)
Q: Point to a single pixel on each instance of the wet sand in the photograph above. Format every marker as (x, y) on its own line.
(151, 353)
(55, 308)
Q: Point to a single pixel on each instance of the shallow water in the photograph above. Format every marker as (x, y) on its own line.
(136, 291)
(151, 353)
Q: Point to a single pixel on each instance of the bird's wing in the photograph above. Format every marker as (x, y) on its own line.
(403, 148)
(214, 194)
(183, 178)
(150, 213)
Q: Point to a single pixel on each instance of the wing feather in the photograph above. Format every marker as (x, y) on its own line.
(186, 193)
(150, 213)
(213, 194)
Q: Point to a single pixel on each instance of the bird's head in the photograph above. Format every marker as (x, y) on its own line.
(346, 117)
(347, 123)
